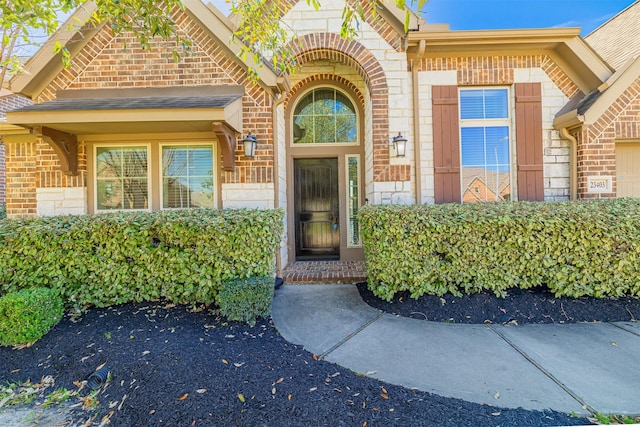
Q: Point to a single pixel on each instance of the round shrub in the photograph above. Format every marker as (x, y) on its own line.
(27, 315)
(245, 300)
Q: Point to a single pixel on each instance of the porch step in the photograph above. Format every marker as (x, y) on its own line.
(325, 272)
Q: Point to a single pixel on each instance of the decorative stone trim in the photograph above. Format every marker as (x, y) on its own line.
(329, 46)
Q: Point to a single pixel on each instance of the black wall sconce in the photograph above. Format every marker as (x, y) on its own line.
(250, 143)
(400, 144)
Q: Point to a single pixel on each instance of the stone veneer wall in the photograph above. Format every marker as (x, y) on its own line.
(377, 56)
(557, 88)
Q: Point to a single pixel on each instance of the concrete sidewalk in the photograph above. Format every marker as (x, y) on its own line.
(578, 368)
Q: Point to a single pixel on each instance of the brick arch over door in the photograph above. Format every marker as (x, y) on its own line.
(328, 46)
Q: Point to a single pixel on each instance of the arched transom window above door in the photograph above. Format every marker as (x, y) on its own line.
(325, 116)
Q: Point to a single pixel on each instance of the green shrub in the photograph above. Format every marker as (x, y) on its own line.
(183, 256)
(27, 315)
(575, 248)
(3, 211)
(247, 299)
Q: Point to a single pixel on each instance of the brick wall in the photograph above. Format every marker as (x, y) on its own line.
(3, 190)
(8, 103)
(597, 143)
(21, 163)
(105, 63)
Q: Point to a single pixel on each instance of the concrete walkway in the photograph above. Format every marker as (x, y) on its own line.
(578, 368)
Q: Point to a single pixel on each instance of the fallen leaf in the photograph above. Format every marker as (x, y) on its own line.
(273, 390)
(144, 353)
(315, 357)
(229, 336)
(238, 365)
(241, 397)
(131, 336)
(225, 361)
(384, 390)
(184, 396)
(495, 414)
(313, 388)
(279, 380)
(289, 397)
(443, 301)
(497, 395)
(151, 412)
(364, 424)
(384, 396)
(201, 390)
(15, 371)
(614, 344)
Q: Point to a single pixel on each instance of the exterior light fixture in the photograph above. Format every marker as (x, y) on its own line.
(400, 144)
(250, 143)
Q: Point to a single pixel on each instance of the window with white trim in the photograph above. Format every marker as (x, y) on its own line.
(484, 145)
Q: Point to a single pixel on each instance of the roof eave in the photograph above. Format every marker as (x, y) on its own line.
(618, 83)
(45, 63)
(565, 45)
(221, 28)
(568, 120)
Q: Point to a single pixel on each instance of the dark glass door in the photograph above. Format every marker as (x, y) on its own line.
(317, 209)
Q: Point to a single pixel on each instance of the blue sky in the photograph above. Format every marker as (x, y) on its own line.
(506, 14)
(503, 14)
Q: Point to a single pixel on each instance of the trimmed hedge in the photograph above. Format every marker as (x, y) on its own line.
(183, 256)
(575, 248)
(246, 300)
(27, 315)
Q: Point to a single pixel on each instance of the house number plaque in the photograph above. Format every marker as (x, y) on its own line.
(599, 184)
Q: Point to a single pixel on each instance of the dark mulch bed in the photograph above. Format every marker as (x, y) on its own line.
(173, 366)
(519, 306)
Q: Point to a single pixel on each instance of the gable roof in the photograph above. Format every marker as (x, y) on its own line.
(586, 110)
(41, 69)
(618, 39)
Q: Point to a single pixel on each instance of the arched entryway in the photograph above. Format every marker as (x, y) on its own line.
(325, 170)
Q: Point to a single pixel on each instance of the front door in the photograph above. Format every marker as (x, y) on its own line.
(316, 209)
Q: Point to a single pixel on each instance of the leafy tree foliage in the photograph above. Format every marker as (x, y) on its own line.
(259, 29)
(147, 19)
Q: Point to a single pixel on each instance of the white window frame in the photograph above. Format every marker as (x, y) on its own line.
(497, 122)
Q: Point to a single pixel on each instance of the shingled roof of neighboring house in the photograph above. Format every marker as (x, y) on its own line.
(618, 39)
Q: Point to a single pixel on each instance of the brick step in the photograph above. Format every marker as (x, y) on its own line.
(325, 272)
